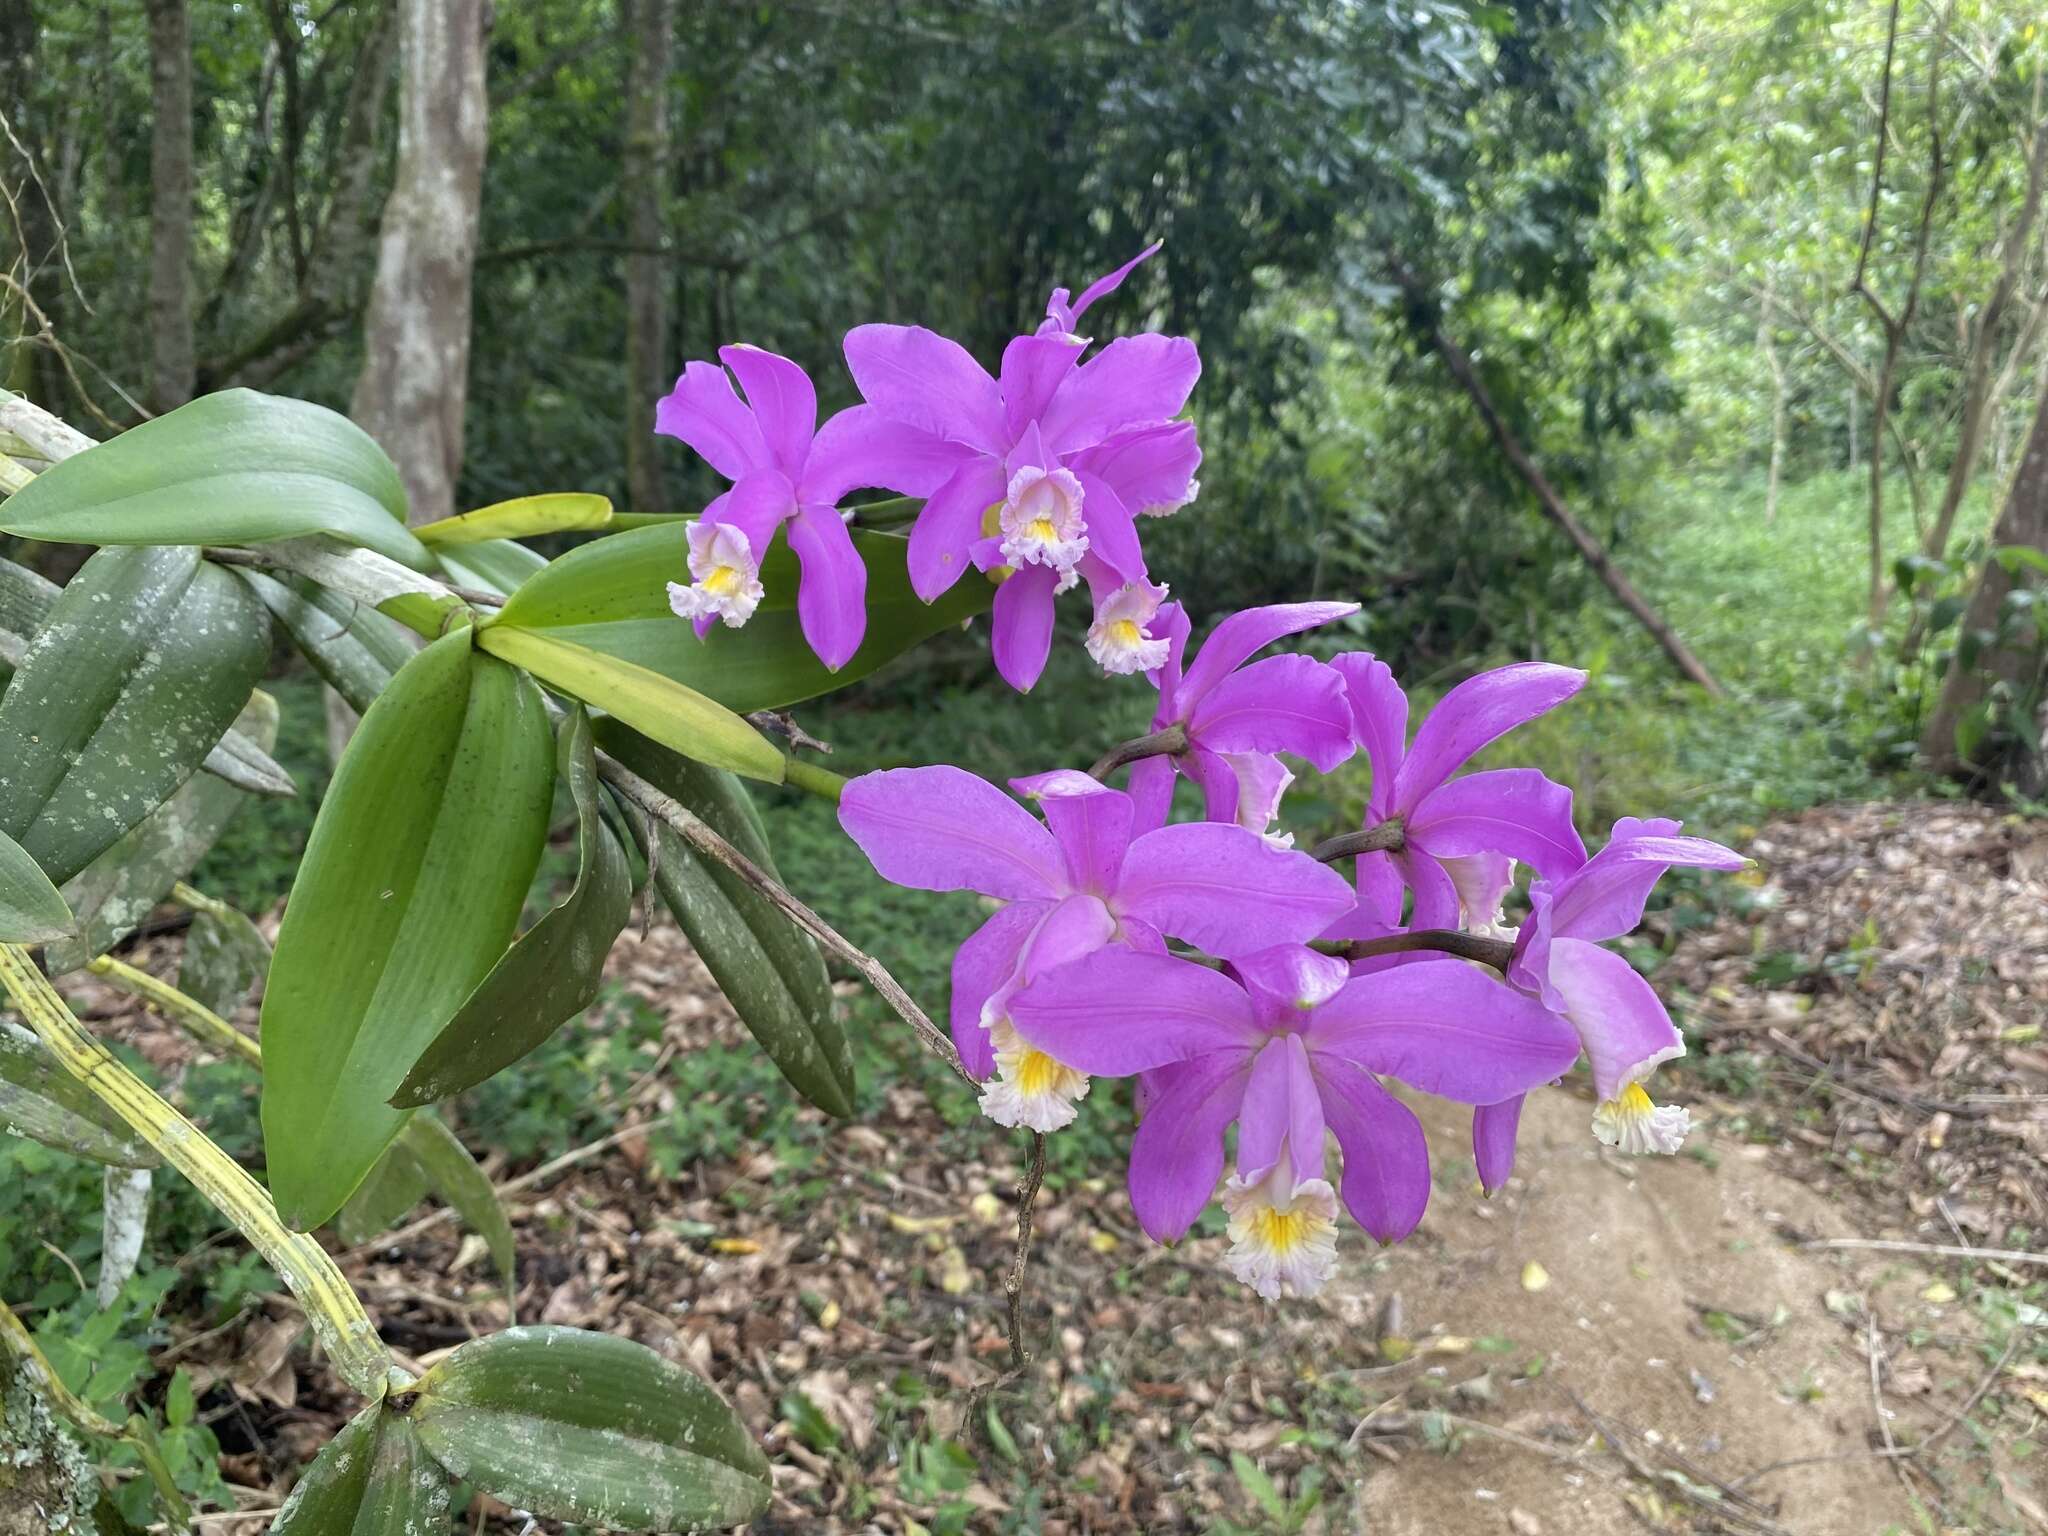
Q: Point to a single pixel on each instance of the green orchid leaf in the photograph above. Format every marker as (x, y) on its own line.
(453, 1174)
(372, 1479)
(554, 512)
(410, 892)
(138, 671)
(355, 649)
(498, 565)
(225, 955)
(45, 1103)
(31, 909)
(552, 973)
(236, 467)
(769, 969)
(592, 1428)
(611, 595)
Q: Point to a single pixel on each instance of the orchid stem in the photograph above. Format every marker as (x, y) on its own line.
(1161, 743)
(699, 835)
(1013, 1285)
(1390, 836)
(1498, 953)
(813, 780)
(188, 1013)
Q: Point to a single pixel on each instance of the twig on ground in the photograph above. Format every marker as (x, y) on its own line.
(1943, 1250)
(1013, 1286)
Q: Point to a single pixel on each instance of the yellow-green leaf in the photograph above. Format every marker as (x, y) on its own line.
(554, 512)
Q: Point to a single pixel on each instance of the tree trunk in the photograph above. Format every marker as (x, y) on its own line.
(1767, 342)
(1980, 402)
(415, 379)
(29, 243)
(1850, 462)
(1590, 548)
(2023, 523)
(651, 26)
(170, 205)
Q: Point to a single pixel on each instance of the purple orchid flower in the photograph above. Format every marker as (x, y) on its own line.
(1037, 471)
(1616, 1014)
(1236, 717)
(1458, 838)
(1090, 875)
(1291, 1045)
(785, 470)
(1061, 315)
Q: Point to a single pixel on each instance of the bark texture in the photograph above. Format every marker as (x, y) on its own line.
(652, 28)
(414, 386)
(2023, 522)
(170, 205)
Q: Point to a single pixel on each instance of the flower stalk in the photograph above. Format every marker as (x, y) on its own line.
(1171, 740)
(1388, 837)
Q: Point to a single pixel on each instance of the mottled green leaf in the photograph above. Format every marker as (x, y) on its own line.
(113, 894)
(589, 1427)
(355, 649)
(409, 893)
(372, 1479)
(140, 668)
(394, 1185)
(496, 566)
(236, 467)
(40, 1100)
(31, 910)
(769, 968)
(225, 955)
(454, 1175)
(611, 595)
(552, 973)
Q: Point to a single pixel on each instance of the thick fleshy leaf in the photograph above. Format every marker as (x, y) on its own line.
(113, 894)
(389, 1191)
(552, 973)
(372, 1479)
(225, 955)
(657, 706)
(139, 670)
(496, 565)
(42, 1101)
(1446, 1028)
(1227, 891)
(1513, 811)
(1117, 1012)
(355, 649)
(592, 1428)
(409, 892)
(942, 829)
(236, 467)
(452, 1173)
(522, 518)
(1476, 713)
(611, 596)
(1177, 1155)
(768, 968)
(31, 910)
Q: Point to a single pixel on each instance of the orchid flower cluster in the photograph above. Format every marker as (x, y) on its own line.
(1241, 982)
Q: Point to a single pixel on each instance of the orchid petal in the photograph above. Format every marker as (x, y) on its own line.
(1235, 640)
(704, 412)
(1616, 1012)
(1091, 821)
(1171, 625)
(832, 586)
(1446, 1028)
(1033, 368)
(1380, 898)
(1494, 1131)
(1515, 811)
(920, 377)
(1116, 1012)
(1112, 536)
(1151, 469)
(1177, 1155)
(1477, 712)
(1436, 894)
(982, 967)
(1151, 792)
(784, 403)
(1482, 881)
(1604, 900)
(1218, 783)
(1386, 1157)
(1020, 628)
(1292, 978)
(862, 447)
(948, 524)
(942, 829)
(756, 505)
(1134, 380)
(1282, 1111)
(1102, 287)
(1228, 891)
(1379, 715)
(1282, 704)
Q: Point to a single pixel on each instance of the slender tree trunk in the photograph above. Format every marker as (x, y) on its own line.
(170, 205)
(28, 232)
(1594, 553)
(1979, 398)
(415, 380)
(1767, 342)
(2024, 523)
(651, 26)
(1850, 462)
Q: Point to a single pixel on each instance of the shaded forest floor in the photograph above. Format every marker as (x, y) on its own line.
(1609, 1345)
